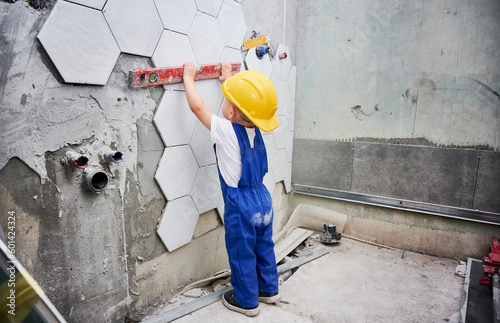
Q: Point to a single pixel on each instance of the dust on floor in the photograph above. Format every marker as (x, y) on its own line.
(356, 282)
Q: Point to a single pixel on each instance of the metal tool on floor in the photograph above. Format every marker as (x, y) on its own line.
(330, 234)
(491, 275)
(170, 75)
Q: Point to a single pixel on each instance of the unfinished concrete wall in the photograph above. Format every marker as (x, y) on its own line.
(413, 231)
(387, 70)
(81, 246)
(96, 255)
(401, 100)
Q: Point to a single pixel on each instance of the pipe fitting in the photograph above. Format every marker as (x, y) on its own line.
(113, 156)
(74, 159)
(95, 179)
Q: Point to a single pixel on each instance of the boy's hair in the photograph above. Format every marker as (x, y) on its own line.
(243, 116)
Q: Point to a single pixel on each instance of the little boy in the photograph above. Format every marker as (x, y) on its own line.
(250, 104)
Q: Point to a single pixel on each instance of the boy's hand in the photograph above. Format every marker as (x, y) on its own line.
(226, 71)
(189, 71)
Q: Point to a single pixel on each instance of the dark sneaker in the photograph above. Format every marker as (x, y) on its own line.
(269, 298)
(229, 302)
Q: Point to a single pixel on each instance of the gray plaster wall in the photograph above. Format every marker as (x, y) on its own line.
(97, 256)
(81, 247)
(400, 99)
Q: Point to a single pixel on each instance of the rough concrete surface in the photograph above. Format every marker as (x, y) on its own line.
(98, 257)
(358, 282)
(424, 233)
(389, 69)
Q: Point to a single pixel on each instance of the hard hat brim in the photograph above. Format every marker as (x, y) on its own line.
(266, 125)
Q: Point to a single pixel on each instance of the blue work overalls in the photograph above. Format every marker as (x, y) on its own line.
(248, 221)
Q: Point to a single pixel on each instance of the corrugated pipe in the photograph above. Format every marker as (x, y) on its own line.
(95, 179)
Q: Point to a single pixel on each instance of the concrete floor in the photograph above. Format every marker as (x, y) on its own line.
(358, 282)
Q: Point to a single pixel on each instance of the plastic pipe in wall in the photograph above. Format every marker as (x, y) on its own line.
(75, 159)
(95, 179)
(114, 156)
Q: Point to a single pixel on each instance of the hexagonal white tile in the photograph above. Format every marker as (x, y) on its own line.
(232, 24)
(280, 134)
(232, 55)
(269, 181)
(79, 43)
(210, 7)
(177, 15)
(280, 165)
(136, 25)
(96, 4)
(281, 67)
(288, 178)
(202, 147)
(270, 148)
(220, 208)
(291, 115)
(206, 189)
(262, 65)
(173, 50)
(178, 223)
(211, 93)
(176, 172)
(292, 81)
(289, 146)
(284, 99)
(206, 39)
(174, 119)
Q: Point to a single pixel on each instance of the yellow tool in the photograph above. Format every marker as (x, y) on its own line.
(255, 41)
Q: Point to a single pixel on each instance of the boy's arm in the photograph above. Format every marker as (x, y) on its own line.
(193, 97)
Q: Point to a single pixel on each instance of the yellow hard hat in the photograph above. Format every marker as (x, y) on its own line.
(255, 95)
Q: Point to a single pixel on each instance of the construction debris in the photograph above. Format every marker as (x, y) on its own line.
(216, 296)
(194, 293)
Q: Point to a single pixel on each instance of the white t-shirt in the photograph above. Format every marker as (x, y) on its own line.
(228, 149)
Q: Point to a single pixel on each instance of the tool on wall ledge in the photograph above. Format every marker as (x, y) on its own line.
(262, 50)
(262, 45)
(170, 75)
(255, 41)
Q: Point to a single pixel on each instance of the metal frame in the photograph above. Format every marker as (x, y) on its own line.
(400, 204)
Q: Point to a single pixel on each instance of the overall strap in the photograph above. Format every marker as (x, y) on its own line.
(243, 140)
(253, 160)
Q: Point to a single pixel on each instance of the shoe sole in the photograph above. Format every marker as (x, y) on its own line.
(247, 312)
(270, 300)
